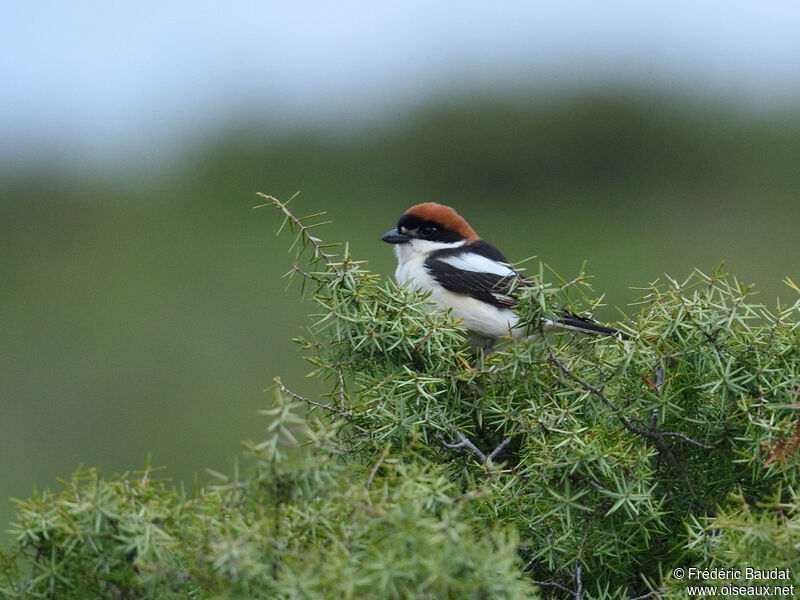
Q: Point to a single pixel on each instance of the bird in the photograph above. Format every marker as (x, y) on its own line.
(439, 252)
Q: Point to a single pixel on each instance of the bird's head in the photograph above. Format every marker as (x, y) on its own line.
(431, 225)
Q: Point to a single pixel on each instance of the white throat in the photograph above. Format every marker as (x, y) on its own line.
(411, 258)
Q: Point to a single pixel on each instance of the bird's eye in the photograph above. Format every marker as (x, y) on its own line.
(428, 229)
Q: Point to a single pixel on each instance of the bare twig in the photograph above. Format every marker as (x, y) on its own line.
(654, 419)
(499, 449)
(571, 282)
(289, 392)
(339, 411)
(297, 396)
(687, 439)
(578, 593)
(377, 466)
(554, 585)
(463, 442)
(528, 565)
(328, 407)
(424, 341)
(305, 274)
(658, 378)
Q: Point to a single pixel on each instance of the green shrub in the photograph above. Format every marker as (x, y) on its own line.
(568, 465)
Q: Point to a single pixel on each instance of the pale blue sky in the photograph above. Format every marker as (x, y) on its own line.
(93, 79)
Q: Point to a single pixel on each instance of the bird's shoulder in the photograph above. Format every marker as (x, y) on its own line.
(478, 247)
(477, 269)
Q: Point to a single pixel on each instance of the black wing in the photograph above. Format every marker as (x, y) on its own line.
(495, 289)
(488, 287)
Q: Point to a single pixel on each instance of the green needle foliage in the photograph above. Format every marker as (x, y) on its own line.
(567, 466)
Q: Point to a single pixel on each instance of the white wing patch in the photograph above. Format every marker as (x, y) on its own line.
(467, 261)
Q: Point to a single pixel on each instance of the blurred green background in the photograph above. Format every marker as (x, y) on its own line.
(142, 310)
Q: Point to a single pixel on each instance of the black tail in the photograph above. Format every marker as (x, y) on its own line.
(576, 323)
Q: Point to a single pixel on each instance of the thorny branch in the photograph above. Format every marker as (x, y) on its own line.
(282, 387)
(303, 230)
(343, 413)
(711, 336)
(653, 434)
(464, 443)
(306, 274)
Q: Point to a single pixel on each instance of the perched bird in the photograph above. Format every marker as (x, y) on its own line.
(438, 251)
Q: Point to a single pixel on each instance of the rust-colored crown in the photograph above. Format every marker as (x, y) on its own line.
(445, 216)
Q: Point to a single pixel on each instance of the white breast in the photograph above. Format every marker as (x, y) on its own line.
(480, 317)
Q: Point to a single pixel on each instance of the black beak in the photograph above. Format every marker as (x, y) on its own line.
(395, 237)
